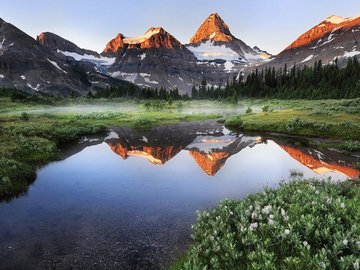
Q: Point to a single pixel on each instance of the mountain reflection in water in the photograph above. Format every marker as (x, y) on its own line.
(211, 145)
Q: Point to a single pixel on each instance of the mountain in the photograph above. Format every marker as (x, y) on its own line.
(333, 38)
(92, 63)
(35, 66)
(213, 42)
(26, 65)
(157, 59)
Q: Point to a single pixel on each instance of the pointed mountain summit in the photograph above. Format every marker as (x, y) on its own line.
(213, 28)
(213, 42)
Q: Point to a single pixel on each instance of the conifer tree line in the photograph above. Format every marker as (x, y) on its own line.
(316, 82)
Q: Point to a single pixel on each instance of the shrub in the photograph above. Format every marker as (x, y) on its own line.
(234, 122)
(14, 177)
(142, 123)
(265, 108)
(24, 117)
(302, 225)
(351, 146)
(248, 110)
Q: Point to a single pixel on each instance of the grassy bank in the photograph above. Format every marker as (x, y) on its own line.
(333, 118)
(301, 225)
(28, 142)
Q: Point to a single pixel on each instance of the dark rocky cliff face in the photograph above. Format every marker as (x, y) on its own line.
(27, 65)
(35, 66)
(55, 42)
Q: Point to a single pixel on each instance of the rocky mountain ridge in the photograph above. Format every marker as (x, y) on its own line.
(53, 65)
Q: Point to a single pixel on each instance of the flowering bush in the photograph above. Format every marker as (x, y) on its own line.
(302, 225)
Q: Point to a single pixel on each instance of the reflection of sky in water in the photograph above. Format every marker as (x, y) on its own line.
(95, 192)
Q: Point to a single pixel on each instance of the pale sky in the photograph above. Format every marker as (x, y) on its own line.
(269, 24)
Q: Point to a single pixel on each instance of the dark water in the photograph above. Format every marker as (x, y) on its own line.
(127, 201)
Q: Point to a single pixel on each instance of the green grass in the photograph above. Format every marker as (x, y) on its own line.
(338, 125)
(305, 224)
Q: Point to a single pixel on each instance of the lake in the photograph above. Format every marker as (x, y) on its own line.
(127, 201)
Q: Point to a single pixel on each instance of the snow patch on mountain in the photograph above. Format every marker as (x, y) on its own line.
(142, 56)
(351, 54)
(311, 56)
(228, 66)
(130, 77)
(57, 66)
(338, 20)
(34, 88)
(99, 61)
(140, 39)
(209, 51)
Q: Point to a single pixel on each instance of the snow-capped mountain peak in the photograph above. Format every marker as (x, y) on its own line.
(213, 41)
(149, 33)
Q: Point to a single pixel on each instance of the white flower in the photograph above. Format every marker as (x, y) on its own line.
(356, 265)
(305, 243)
(271, 216)
(317, 192)
(271, 222)
(342, 205)
(253, 215)
(231, 213)
(253, 226)
(287, 232)
(345, 242)
(212, 238)
(266, 210)
(283, 213)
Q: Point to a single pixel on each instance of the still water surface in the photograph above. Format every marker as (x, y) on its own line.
(127, 201)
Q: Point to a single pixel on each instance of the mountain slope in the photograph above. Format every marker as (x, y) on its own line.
(92, 63)
(36, 66)
(26, 65)
(333, 38)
